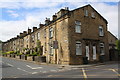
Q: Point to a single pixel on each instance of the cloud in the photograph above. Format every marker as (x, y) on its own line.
(59, 0)
(27, 5)
(13, 13)
(47, 9)
(10, 29)
(110, 13)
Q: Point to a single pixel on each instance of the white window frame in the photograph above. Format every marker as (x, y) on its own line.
(86, 13)
(101, 31)
(78, 48)
(77, 26)
(51, 50)
(102, 48)
(38, 35)
(93, 15)
(50, 32)
(33, 38)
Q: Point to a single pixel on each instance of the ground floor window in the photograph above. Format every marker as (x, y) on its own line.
(78, 48)
(51, 50)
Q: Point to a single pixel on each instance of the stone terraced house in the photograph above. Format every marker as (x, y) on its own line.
(68, 37)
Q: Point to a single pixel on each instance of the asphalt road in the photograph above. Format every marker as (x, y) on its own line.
(15, 69)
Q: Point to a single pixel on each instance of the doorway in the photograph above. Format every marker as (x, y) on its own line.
(94, 52)
(87, 52)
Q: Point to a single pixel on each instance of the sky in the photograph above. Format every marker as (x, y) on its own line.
(18, 15)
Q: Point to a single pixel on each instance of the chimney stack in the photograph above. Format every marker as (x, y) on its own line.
(29, 31)
(24, 33)
(21, 34)
(17, 36)
(34, 29)
(66, 8)
(62, 12)
(41, 25)
(47, 21)
(54, 17)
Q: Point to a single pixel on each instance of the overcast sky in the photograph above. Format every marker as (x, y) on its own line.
(16, 16)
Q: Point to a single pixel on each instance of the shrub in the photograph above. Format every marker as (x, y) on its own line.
(10, 52)
(19, 54)
(34, 54)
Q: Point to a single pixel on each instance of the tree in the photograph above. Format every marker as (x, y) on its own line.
(39, 47)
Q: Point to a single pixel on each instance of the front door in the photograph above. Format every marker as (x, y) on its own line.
(94, 52)
(87, 52)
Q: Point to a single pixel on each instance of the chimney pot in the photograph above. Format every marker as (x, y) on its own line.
(34, 29)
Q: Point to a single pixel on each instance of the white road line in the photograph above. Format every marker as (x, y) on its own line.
(84, 74)
(10, 65)
(44, 72)
(34, 72)
(53, 70)
(115, 71)
(33, 67)
(23, 70)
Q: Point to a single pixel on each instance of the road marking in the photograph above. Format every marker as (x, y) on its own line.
(33, 67)
(14, 77)
(115, 71)
(23, 70)
(84, 74)
(44, 72)
(34, 72)
(10, 65)
(53, 70)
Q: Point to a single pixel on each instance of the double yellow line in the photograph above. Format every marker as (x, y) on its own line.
(84, 74)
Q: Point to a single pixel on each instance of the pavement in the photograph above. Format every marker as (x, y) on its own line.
(15, 69)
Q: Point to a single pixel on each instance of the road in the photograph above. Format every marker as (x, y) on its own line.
(12, 68)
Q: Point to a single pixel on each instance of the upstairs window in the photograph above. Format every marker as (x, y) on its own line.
(102, 49)
(44, 33)
(101, 32)
(77, 26)
(86, 13)
(93, 15)
(33, 38)
(38, 36)
(50, 32)
(78, 48)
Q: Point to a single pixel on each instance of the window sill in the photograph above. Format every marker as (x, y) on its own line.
(93, 17)
(50, 37)
(101, 36)
(77, 33)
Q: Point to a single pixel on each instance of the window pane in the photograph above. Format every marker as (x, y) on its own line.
(101, 33)
(77, 29)
(78, 48)
(51, 32)
(93, 14)
(86, 12)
